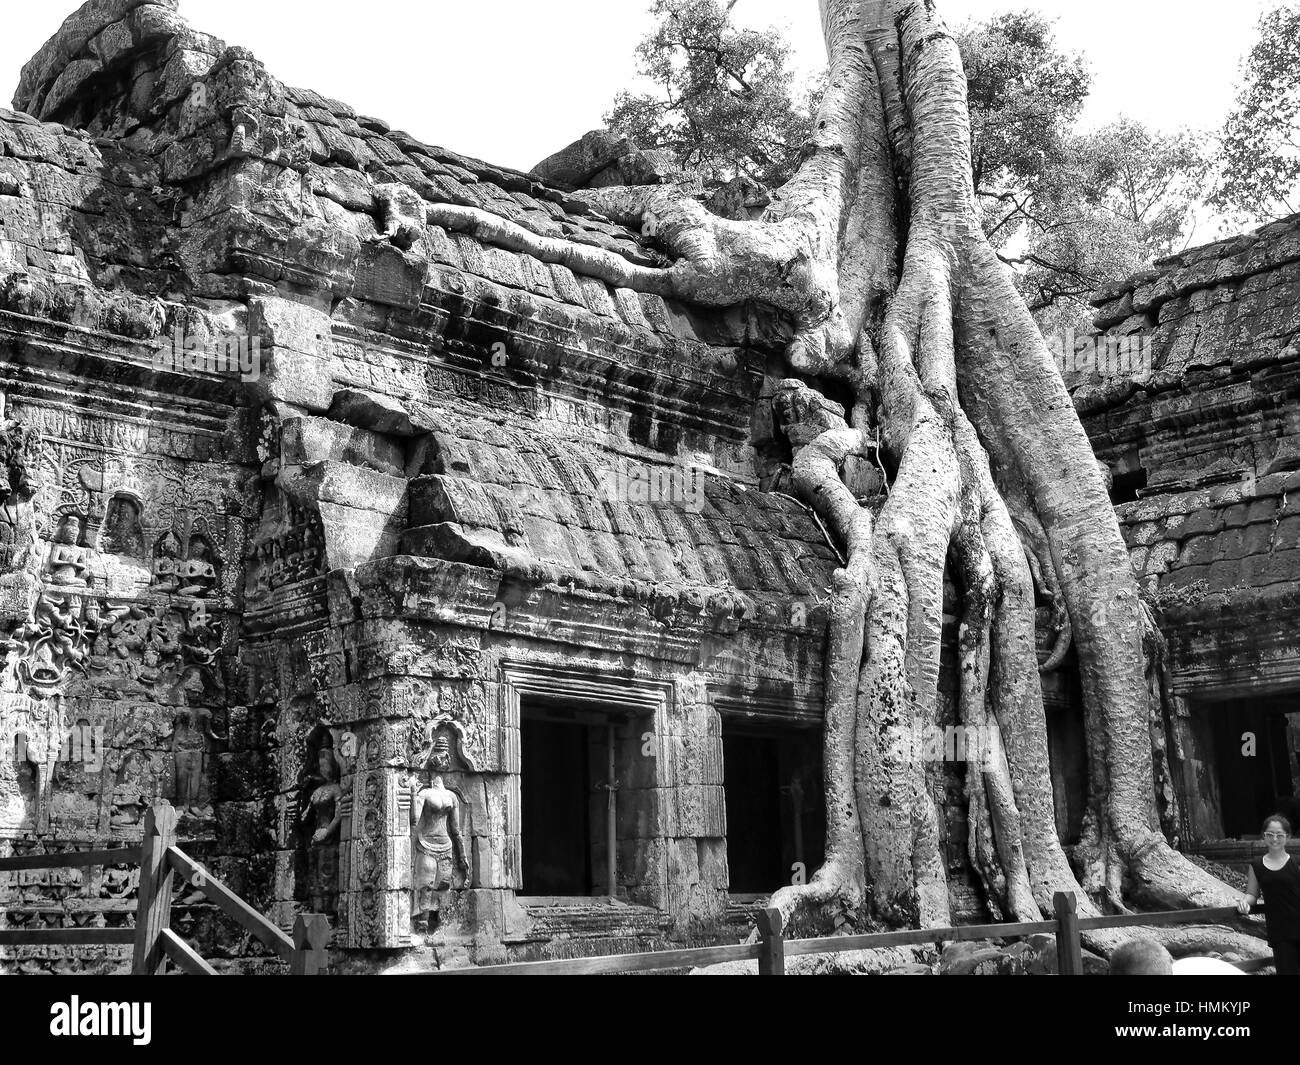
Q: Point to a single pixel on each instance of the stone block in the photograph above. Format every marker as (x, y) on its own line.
(1206, 521)
(491, 862)
(476, 821)
(643, 862)
(306, 441)
(1287, 535)
(380, 863)
(572, 167)
(701, 811)
(377, 919)
(1282, 567)
(1236, 516)
(1201, 551)
(646, 813)
(712, 855)
(382, 414)
(1255, 540)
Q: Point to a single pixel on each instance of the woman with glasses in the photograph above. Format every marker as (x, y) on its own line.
(1277, 876)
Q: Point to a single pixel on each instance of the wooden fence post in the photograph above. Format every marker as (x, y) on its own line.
(311, 934)
(771, 962)
(154, 902)
(1069, 945)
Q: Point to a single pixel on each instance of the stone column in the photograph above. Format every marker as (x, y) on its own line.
(376, 857)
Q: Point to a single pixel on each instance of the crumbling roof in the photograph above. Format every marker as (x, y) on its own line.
(1218, 521)
(120, 86)
(1222, 540)
(1221, 307)
(552, 503)
(77, 78)
(128, 187)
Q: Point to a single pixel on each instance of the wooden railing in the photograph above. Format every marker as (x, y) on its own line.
(153, 938)
(772, 949)
(155, 942)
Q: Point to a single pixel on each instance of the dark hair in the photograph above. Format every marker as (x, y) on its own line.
(1286, 825)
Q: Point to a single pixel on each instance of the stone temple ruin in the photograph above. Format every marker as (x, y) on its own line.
(455, 593)
(1203, 444)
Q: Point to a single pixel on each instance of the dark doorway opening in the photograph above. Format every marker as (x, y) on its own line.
(1255, 761)
(1067, 751)
(555, 789)
(775, 821)
(1125, 487)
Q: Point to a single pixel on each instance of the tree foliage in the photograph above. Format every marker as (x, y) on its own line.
(1069, 211)
(725, 101)
(1024, 95)
(1260, 178)
(1123, 197)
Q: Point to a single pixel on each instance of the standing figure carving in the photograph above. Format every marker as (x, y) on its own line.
(437, 850)
(191, 733)
(324, 812)
(20, 450)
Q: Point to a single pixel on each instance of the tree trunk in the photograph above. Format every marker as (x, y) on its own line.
(946, 364)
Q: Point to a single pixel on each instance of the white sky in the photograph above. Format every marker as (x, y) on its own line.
(511, 81)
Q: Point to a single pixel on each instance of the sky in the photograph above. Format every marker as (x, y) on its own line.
(512, 81)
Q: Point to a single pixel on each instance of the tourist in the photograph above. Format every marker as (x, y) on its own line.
(1141, 957)
(1276, 876)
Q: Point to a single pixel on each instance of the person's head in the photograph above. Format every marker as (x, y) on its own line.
(1277, 831)
(1141, 957)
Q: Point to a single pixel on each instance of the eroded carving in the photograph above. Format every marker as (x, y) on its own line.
(438, 851)
(322, 815)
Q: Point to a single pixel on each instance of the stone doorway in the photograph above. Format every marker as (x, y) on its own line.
(775, 820)
(566, 809)
(555, 782)
(1254, 742)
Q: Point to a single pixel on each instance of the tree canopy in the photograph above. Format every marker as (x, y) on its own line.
(1069, 211)
(1260, 177)
(726, 102)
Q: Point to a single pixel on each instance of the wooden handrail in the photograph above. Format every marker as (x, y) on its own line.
(154, 939)
(1069, 944)
(66, 937)
(916, 937)
(613, 963)
(154, 902)
(70, 860)
(771, 958)
(1166, 917)
(185, 956)
(231, 904)
(772, 950)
